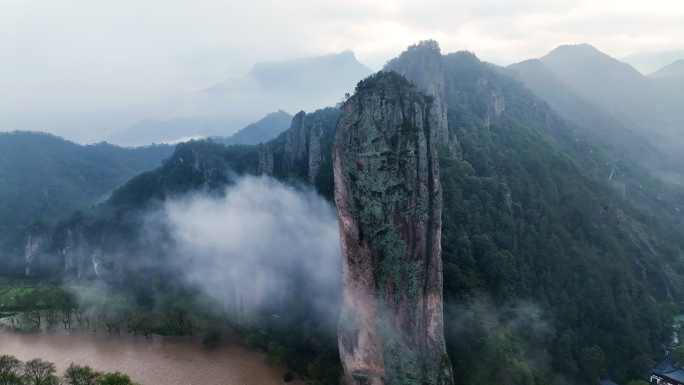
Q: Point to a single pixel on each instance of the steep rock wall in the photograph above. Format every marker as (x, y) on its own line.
(388, 200)
(32, 243)
(421, 64)
(496, 104)
(265, 160)
(295, 144)
(315, 156)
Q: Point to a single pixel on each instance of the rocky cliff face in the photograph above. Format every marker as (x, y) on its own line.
(71, 249)
(496, 104)
(388, 200)
(265, 160)
(421, 65)
(32, 243)
(295, 145)
(315, 156)
(80, 257)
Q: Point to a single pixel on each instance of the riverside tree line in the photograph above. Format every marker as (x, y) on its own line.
(181, 314)
(40, 372)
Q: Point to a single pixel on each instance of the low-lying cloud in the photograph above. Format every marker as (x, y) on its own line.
(259, 247)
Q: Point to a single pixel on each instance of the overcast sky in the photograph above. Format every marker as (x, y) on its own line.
(82, 54)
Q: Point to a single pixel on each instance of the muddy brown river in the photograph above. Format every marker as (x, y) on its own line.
(171, 361)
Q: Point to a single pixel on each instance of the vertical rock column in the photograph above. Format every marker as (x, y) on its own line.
(265, 160)
(315, 157)
(388, 201)
(295, 143)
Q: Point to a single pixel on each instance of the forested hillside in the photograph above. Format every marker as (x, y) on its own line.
(551, 267)
(630, 112)
(46, 178)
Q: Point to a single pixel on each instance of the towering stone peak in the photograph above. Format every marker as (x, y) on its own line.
(265, 160)
(422, 65)
(389, 202)
(295, 144)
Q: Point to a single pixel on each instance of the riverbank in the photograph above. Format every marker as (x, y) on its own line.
(157, 361)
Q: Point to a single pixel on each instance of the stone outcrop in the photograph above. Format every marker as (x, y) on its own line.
(295, 144)
(496, 104)
(388, 200)
(32, 243)
(315, 156)
(421, 64)
(265, 160)
(77, 253)
(72, 250)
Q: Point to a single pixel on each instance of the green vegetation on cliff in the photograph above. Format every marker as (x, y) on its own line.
(549, 268)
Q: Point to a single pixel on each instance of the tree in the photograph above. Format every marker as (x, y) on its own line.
(81, 375)
(66, 303)
(593, 362)
(28, 303)
(640, 366)
(637, 382)
(10, 370)
(39, 372)
(116, 378)
(677, 356)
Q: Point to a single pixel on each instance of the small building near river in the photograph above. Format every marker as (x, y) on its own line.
(666, 374)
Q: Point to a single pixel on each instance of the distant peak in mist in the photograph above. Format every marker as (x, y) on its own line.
(649, 62)
(346, 57)
(583, 60)
(306, 74)
(674, 69)
(583, 47)
(578, 52)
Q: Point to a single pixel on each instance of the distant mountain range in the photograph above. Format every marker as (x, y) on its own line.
(328, 76)
(181, 129)
(634, 113)
(262, 131)
(674, 69)
(648, 62)
(225, 107)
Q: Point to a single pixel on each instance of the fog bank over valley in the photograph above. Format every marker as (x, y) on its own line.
(258, 246)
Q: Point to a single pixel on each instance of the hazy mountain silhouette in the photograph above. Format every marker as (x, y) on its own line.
(592, 119)
(332, 74)
(647, 62)
(674, 69)
(671, 77)
(611, 99)
(264, 130)
(605, 81)
(224, 108)
(176, 130)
